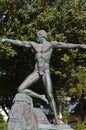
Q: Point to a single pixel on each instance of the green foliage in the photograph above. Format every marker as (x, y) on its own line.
(78, 82)
(3, 124)
(65, 117)
(81, 126)
(6, 53)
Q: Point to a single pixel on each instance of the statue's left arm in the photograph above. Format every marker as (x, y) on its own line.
(67, 45)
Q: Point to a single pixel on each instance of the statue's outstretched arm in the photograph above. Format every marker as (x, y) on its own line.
(68, 45)
(16, 42)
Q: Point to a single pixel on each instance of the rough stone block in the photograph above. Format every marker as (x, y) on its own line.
(24, 116)
(21, 114)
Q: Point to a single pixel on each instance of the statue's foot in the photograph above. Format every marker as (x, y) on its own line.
(45, 99)
(56, 122)
(59, 122)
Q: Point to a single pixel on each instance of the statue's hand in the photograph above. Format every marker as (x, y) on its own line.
(2, 40)
(83, 46)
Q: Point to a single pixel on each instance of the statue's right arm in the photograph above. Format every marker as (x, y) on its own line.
(16, 42)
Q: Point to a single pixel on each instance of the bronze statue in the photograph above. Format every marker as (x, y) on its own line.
(43, 50)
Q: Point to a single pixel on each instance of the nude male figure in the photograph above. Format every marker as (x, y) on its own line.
(43, 50)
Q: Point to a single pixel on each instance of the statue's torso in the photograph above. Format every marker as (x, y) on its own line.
(43, 55)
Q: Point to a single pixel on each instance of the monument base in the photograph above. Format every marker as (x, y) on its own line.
(54, 127)
(43, 123)
(24, 116)
(21, 116)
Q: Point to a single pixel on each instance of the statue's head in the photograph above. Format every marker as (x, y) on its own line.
(41, 35)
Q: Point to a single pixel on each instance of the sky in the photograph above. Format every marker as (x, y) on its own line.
(4, 115)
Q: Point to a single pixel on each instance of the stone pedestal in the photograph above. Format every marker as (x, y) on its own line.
(43, 123)
(54, 127)
(24, 116)
(21, 115)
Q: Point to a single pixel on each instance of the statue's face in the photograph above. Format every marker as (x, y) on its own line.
(41, 36)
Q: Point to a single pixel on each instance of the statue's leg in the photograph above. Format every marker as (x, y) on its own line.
(31, 79)
(48, 84)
